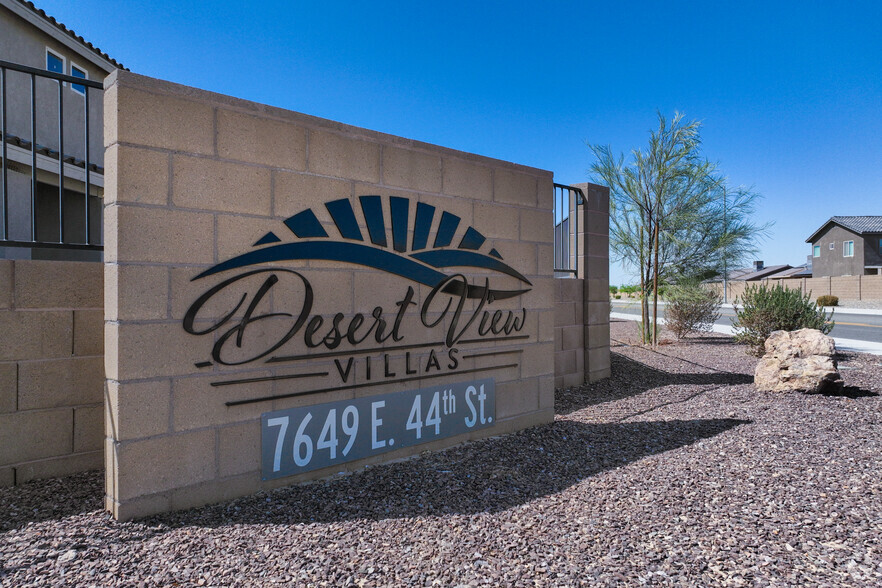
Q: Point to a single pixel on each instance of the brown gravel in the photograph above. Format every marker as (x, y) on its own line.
(675, 471)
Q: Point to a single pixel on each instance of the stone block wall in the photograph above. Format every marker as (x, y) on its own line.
(51, 369)
(569, 333)
(194, 179)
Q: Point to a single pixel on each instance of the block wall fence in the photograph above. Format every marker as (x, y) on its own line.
(51, 369)
(844, 287)
(52, 363)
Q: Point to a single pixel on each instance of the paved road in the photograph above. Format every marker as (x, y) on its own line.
(849, 325)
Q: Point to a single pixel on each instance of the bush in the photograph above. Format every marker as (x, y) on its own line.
(828, 300)
(618, 296)
(775, 309)
(691, 309)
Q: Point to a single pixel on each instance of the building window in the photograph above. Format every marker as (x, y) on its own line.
(816, 250)
(848, 249)
(832, 246)
(54, 62)
(78, 72)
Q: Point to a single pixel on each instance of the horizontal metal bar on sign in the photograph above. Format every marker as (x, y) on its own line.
(50, 74)
(51, 245)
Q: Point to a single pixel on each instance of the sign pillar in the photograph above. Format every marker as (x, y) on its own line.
(288, 297)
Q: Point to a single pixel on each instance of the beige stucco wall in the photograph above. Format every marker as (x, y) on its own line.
(195, 178)
(51, 369)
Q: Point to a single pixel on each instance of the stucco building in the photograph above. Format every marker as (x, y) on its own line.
(847, 246)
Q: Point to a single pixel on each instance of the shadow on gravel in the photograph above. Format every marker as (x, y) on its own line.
(489, 475)
(631, 378)
(852, 392)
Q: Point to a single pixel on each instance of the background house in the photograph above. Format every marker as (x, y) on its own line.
(46, 119)
(847, 246)
(759, 271)
(799, 271)
(738, 279)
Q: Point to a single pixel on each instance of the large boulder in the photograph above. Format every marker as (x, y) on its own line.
(798, 360)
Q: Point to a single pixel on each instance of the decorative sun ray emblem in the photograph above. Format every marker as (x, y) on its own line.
(416, 260)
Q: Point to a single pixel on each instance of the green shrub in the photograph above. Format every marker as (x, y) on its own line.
(828, 300)
(691, 309)
(618, 296)
(775, 309)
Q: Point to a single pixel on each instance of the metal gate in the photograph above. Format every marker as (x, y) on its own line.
(567, 203)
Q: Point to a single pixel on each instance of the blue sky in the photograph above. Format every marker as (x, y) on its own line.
(790, 93)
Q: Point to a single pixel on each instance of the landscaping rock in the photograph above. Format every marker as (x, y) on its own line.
(672, 472)
(798, 361)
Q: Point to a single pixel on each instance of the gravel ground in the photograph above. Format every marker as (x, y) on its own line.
(675, 471)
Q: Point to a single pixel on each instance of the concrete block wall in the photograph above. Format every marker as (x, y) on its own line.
(845, 287)
(569, 333)
(194, 178)
(595, 272)
(817, 287)
(581, 320)
(736, 291)
(871, 287)
(51, 369)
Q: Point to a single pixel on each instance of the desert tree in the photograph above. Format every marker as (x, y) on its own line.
(672, 214)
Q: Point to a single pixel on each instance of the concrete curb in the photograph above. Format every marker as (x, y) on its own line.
(842, 344)
(835, 309)
(838, 309)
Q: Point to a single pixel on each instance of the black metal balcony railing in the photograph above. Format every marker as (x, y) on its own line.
(38, 235)
(567, 200)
